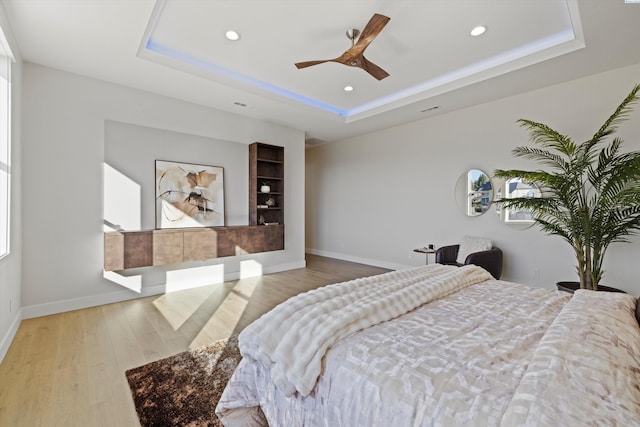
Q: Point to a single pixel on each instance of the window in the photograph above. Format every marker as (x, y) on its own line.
(517, 187)
(5, 144)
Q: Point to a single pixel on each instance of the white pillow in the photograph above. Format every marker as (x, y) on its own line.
(470, 245)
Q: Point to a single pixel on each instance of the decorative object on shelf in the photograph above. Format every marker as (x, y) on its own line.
(271, 202)
(265, 187)
(590, 191)
(189, 195)
(261, 220)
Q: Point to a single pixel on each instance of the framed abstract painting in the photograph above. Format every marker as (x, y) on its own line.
(189, 195)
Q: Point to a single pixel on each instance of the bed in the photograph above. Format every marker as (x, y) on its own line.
(439, 346)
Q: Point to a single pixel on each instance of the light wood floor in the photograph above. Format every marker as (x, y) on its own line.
(68, 369)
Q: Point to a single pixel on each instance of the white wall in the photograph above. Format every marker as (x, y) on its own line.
(375, 197)
(132, 150)
(65, 122)
(11, 265)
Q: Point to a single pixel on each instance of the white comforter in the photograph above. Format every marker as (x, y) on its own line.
(491, 354)
(586, 369)
(292, 338)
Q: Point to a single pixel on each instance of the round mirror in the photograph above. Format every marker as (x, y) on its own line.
(474, 192)
(517, 187)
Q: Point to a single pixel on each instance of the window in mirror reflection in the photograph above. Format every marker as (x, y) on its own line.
(517, 187)
(480, 192)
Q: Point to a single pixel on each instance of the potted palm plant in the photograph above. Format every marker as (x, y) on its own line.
(590, 190)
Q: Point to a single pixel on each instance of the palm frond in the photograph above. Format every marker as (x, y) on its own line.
(548, 137)
(619, 115)
(542, 156)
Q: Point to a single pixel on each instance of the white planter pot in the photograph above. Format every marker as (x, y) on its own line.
(265, 189)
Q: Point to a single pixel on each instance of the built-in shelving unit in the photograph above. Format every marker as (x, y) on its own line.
(266, 167)
(265, 232)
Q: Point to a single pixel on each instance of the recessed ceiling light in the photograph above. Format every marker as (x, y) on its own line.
(348, 88)
(232, 35)
(478, 31)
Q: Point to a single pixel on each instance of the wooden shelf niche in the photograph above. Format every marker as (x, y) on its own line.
(266, 166)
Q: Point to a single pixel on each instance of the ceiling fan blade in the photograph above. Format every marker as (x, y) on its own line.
(373, 69)
(370, 32)
(353, 56)
(310, 63)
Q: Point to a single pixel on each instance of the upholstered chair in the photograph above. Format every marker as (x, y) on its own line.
(490, 259)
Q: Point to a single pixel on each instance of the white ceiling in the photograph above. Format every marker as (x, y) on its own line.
(177, 48)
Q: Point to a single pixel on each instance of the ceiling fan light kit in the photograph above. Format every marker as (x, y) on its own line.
(354, 56)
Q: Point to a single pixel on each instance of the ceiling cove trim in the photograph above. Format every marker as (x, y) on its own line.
(541, 50)
(563, 42)
(243, 79)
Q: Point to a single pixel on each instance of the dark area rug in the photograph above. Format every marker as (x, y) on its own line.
(183, 390)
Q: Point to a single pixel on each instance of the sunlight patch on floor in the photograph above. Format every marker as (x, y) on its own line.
(225, 319)
(178, 307)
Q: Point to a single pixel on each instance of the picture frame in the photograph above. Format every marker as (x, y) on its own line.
(188, 195)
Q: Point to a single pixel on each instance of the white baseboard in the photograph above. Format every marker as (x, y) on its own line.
(6, 341)
(359, 260)
(284, 267)
(55, 307)
(62, 306)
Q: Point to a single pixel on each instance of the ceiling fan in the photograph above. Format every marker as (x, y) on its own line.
(354, 56)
